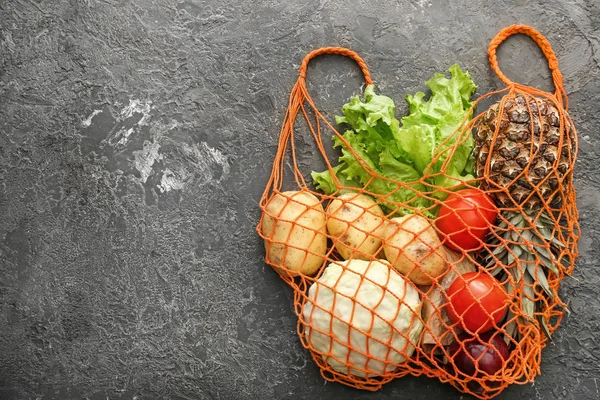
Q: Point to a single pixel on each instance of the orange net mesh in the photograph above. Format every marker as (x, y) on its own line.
(382, 290)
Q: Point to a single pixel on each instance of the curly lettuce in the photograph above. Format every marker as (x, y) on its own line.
(406, 156)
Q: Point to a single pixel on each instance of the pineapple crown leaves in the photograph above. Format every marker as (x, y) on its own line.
(522, 238)
(524, 247)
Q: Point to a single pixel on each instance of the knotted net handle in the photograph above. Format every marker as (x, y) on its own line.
(342, 51)
(298, 97)
(544, 45)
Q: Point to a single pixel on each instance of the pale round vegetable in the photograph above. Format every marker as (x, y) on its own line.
(413, 247)
(293, 226)
(382, 304)
(358, 224)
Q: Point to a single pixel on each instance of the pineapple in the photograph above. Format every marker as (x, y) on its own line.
(524, 167)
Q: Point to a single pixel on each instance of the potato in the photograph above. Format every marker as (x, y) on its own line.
(358, 224)
(297, 221)
(412, 246)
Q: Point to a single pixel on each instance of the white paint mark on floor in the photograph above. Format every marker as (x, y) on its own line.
(206, 157)
(88, 121)
(196, 163)
(172, 180)
(218, 158)
(8, 41)
(137, 107)
(124, 135)
(144, 159)
(199, 165)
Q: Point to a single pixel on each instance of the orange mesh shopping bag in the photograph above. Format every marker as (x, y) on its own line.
(463, 285)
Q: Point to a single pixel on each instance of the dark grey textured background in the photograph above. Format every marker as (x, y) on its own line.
(136, 137)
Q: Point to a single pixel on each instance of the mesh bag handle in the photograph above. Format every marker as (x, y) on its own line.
(546, 48)
(298, 97)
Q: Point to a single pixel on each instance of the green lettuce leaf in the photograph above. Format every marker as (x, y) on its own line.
(412, 158)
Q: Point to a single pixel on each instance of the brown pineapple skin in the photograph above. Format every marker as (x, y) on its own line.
(525, 156)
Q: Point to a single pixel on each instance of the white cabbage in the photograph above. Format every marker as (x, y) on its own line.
(386, 307)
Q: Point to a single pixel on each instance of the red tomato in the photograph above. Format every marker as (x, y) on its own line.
(465, 218)
(476, 301)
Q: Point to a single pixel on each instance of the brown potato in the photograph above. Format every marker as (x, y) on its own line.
(412, 246)
(358, 224)
(297, 221)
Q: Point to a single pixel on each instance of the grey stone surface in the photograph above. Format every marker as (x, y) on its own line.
(136, 137)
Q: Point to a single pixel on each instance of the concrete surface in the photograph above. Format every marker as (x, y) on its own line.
(136, 137)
